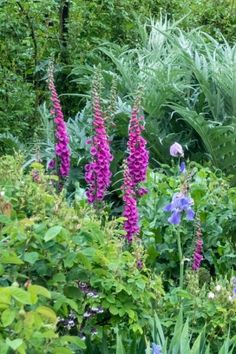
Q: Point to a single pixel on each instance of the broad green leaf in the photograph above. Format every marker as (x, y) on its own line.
(4, 347)
(14, 344)
(31, 257)
(39, 290)
(5, 296)
(12, 258)
(8, 317)
(20, 295)
(47, 313)
(52, 233)
(75, 340)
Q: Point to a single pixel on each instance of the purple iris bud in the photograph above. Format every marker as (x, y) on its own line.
(182, 167)
(156, 349)
(176, 150)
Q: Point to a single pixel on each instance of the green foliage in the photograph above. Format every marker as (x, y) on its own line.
(33, 31)
(207, 304)
(181, 340)
(214, 202)
(188, 83)
(51, 249)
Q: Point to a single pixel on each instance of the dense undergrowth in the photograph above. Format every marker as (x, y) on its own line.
(69, 279)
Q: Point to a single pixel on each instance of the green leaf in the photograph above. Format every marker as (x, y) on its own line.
(20, 295)
(11, 258)
(4, 347)
(75, 340)
(47, 313)
(119, 345)
(5, 219)
(8, 317)
(31, 257)
(14, 344)
(39, 290)
(52, 233)
(62, 350)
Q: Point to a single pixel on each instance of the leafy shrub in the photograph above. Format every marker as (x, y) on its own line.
(81, 259)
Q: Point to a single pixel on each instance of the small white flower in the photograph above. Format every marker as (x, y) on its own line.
(218, 288)
(2, 193)
(230, 298)
(211, 295)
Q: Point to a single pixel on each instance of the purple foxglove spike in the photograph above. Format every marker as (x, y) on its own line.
(130, 211)
(138, 155)
(62, 145)
(97, 173)
(197, 257)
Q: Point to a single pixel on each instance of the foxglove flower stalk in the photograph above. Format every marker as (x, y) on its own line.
(138, 154)
(180, 204)
(97, 173)
(62, 139)
(130, 211)
(197, 257)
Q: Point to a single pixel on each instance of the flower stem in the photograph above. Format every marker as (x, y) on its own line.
(181, 261)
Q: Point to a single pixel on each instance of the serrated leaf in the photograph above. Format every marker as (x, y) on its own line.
(52, 233)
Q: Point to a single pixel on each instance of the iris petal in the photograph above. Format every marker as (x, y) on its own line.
(174, 218)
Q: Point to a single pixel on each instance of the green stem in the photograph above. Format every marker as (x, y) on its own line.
(181, 261)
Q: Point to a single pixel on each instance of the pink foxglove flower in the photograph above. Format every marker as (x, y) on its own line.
(62, 139)
(197, 257)
(130, 211)
(176, 150)
(138, 154)
(97, 173)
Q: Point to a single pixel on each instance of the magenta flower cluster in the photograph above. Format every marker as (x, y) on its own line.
(62, 139)
(138, 154)
(97, 173)
(135, 172)
(130, 211)
(197, 257)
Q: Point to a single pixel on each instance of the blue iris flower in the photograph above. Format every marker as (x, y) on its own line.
(180, 203)
(156, 349)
